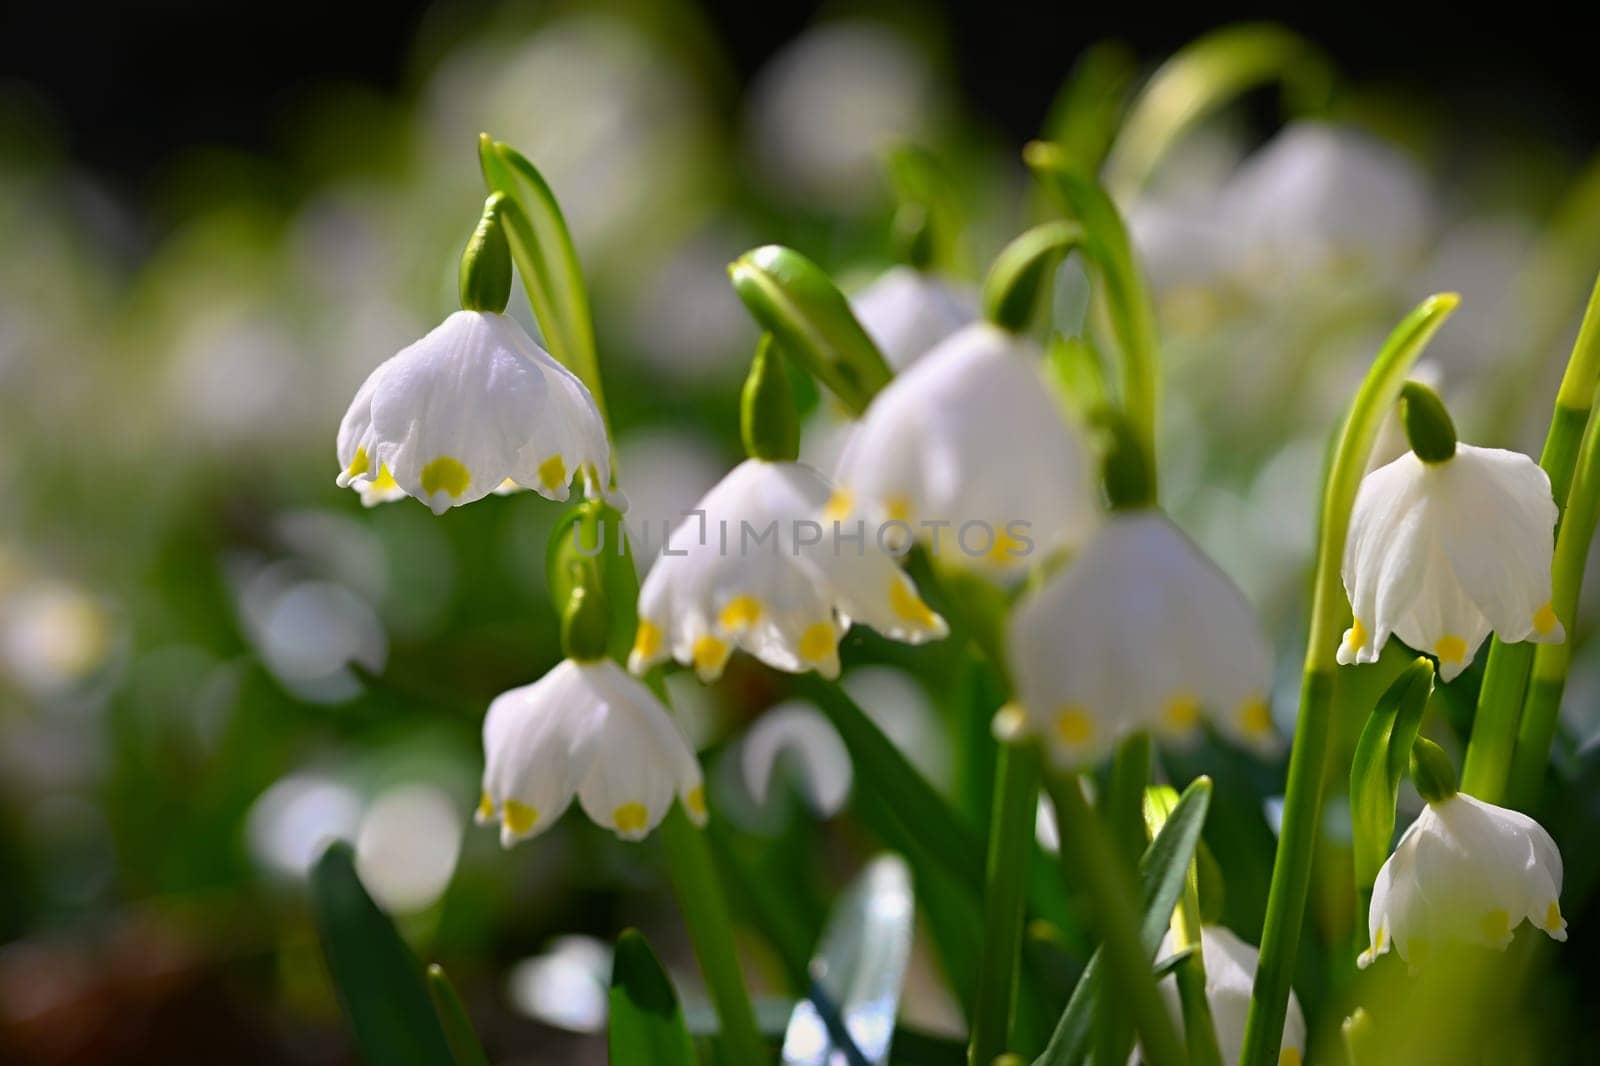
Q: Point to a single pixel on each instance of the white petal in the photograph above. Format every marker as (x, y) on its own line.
(642, 761)
(801, 731)
(538, 742)
(907, 312)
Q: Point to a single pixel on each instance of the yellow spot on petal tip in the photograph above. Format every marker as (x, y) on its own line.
(1552, 918)
(709, 654)
(446, 475)
(359, 465)
(1074, 726)
(818, 642)
(1290, 1056)
(908, 606)
(647, 640)
(1545, 620)
(897, 509)
(740, 613)
(839, 505)
(485, 807)
(553, 473)
(1182, 712)
(1495, 925)
(696, 801)
(1255, 717)
(385, 481)
(631, 818)
(519, 817)
(1450, 649)
(1358, 634)
(1383, 939)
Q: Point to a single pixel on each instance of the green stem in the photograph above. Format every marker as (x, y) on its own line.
(1088, 853)
(1311, 752)
(1541, 713)
(705, 913)
(1199, 1028)
(1016, 798)
(1505, 679)
(1123, 811)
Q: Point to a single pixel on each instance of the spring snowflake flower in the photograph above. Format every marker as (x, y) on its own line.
(1230, 975)
(969, 449)
(585, 729)
(473, 405)
(1439, 553)
(907, 312)
(1465, 871)
(757, 567)
(1140, 631)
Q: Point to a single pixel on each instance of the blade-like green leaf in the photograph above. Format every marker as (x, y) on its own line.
(1163, 871)
(1084, 116)
(799, 305)
(546, 258)
(1381, 758)
(378, 980)
(453, 1018)
(646, 1022)
(1203, 77)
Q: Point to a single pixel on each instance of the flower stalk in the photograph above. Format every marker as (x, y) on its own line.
(1496, 726)
(1016, 793)
(1312, 749)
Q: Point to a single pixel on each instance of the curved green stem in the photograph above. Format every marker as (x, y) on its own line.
(1541, 712)
(1016, 797)
(1309, 756)
(1505, 677)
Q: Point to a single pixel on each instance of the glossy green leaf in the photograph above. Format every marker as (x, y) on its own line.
(799, 305)
(454, 1019)
(1163, 871)
(545, 256)
(646, 1023)
(1381, 758)
(378, 980)
(1204, 76)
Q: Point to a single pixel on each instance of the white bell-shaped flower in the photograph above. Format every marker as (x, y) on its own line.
(473, 404)
(1139, 631)
(585, 729)
(907, 312)
(756, 566)
(971, 452)
(1439, 553)
(1230, 975)
(1465, 871)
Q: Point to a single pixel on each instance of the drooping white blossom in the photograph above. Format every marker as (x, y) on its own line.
(907, 312)
(757, 566)
(1468, 872)
(1440, 553)
(1139, 631)
(585, 729)
(970, 451)
(1230, 976)
(474, 404)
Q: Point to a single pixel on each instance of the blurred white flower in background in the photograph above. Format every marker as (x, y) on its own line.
(824, 107)
(237, 376)
(797, 733)
(684, 319)
(308, 632)
(1230, 976)
(907, 312)
(898, 704)
(567, 986)
(663, 470)
(53, 633)
(291, 823)
(407, 845)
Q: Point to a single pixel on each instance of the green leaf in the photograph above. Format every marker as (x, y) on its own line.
(1382, 755)
(1084, 116)
(799, 305)
(378, 980)
(646, 1023)
(453, 1017)
(1163, 871)
(545, 256)
(929, 218)
(1201, 78)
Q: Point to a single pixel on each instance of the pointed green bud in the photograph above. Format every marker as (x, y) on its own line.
(1432, 771)
(1124, 466)
(793, 299)
(913, 239)
(486, 262)
(585, 624)
(767, 419)
(1019, 281)
(1428, 426)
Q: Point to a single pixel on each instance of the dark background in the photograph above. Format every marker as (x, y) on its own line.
(127, 85)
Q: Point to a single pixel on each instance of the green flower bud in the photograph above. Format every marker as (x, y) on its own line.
(585, 624)
(1428, 426)
(1124, 467)
(767, 419)
(1431, 771)
(486, 262)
